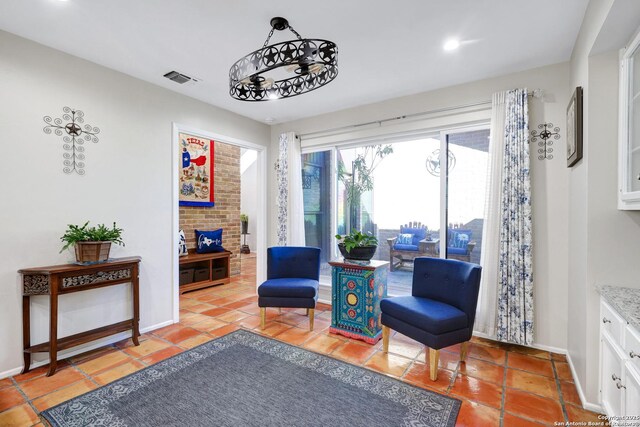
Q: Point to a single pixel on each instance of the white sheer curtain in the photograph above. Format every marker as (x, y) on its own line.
(486, 313)
(290, 202)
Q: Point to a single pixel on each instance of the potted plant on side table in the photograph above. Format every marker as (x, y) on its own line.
(357, 246)
(244, 222)
(91, 244)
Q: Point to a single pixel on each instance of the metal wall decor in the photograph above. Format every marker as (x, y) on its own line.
(74, 136)
(433, 162)
(546, 135)
(285, 69)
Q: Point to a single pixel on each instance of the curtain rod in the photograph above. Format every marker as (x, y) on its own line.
(536, 93)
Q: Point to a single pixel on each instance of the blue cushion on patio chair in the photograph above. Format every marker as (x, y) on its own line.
(293, 275)
(418, 234)
(456, 251)
(442, 307)
(401, 247)
(458, 238)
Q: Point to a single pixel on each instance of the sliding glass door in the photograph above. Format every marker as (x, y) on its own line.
(316, 193)
(419, 197)
(466, 185)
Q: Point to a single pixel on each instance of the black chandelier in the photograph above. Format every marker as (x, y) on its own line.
(283, 70)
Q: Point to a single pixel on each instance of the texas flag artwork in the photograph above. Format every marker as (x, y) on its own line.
(196, 170)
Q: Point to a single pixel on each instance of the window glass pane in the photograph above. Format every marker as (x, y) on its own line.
(316, 183)
(466, 193)
(403, 188)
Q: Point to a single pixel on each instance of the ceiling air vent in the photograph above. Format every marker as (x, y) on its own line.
(180, 78)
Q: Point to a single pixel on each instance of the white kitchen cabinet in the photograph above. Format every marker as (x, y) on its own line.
(619, 364)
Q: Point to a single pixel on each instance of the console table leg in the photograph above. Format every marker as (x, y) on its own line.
(135, 286)
(53, 334)
(26, 332)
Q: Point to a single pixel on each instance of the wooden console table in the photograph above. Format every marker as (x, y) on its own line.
(356, 291)
(68, 278)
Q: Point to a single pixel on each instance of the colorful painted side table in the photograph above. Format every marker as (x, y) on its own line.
(356, 291)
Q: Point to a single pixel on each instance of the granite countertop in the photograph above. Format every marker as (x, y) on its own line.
(626, 301)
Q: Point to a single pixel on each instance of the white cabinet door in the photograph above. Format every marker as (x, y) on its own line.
(611, 377)
(629, 128)
(632, 391)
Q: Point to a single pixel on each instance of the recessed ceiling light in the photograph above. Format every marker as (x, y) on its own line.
(452, 44)
(269, 120)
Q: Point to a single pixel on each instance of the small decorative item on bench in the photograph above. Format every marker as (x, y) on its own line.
(209, 241)
(182, 244)
(357, 246)
(91, 244)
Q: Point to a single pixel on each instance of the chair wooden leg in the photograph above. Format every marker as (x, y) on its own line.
(263, 316)
(385, 339)
(464, 347)
(280, 310)
(307, 311)
(433, 363)
(312, 313)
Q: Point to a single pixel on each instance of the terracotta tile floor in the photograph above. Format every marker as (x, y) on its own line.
(501, 385)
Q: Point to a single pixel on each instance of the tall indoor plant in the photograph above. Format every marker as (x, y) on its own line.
(91, 244)
(360, 179)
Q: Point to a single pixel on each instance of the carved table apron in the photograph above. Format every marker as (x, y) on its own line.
(68, 278)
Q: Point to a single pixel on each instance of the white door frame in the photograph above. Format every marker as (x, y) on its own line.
(261, 221)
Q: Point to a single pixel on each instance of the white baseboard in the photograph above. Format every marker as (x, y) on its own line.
(586, 405)
(84, 348)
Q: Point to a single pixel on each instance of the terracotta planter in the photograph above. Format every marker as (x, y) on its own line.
(92, 251)
(359, 253)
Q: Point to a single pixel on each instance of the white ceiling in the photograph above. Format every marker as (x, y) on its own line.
(386, 48)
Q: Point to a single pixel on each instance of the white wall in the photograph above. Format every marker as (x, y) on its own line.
(128, 180)
(549, 177)
(249, 201)
(604, 242)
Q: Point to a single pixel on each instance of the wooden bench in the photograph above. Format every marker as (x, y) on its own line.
(216, 262)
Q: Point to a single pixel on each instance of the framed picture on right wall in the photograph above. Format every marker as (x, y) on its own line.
(574, 128)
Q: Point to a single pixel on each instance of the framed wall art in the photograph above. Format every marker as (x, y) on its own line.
(574, 128)
(196, 170)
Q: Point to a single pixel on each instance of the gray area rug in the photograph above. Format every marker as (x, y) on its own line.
(244, 379)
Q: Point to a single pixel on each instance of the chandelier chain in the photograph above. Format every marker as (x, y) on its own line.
(266, 42)
(295, 32)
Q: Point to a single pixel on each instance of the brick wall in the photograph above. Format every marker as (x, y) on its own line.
(226, 212)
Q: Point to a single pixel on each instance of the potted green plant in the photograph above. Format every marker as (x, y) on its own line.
(244, 221)
(357, 246)
(91, 244)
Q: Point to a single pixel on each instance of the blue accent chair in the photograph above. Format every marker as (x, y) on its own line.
(441, 309)
(293, 274)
